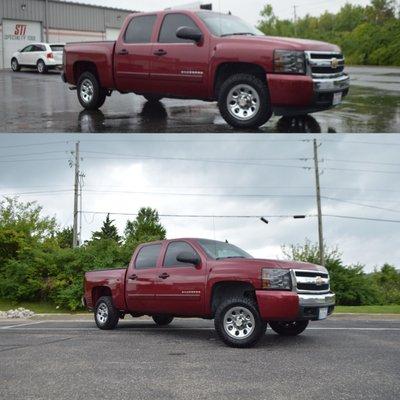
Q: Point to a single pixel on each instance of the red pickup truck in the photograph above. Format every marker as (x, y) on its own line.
(213, 57)
(211, 280)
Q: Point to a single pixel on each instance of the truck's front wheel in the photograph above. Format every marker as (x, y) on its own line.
(90, 94)
(288, 328)
(238, 322)
(105, 314)
(243, 101)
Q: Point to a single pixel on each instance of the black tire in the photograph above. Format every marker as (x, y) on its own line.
(288, 328)
(15, 65)
(162, 320)
(152, 98)
(261, 116)
(41, 67)
(223, 311)
(111, 318)
(88, 83)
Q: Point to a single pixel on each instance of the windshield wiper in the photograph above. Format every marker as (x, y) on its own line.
(238, 34)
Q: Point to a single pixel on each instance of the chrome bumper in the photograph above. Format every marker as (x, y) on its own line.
(323, 85)
(316, 300)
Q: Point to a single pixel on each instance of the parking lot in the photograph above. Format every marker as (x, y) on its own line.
(30, 102)
(340, 358)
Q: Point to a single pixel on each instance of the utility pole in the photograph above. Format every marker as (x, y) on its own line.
(295, 19)
(75, 241)
(318, 194)
(46, 19)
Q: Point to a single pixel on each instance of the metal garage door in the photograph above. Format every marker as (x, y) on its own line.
(18, 34)
(112, 33)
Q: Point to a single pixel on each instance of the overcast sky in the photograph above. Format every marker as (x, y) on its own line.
(254, 175)
(249, 10)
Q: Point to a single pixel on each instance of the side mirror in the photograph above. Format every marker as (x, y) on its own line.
(188, 33)
(188, 258)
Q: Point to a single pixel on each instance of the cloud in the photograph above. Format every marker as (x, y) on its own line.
(256, 175)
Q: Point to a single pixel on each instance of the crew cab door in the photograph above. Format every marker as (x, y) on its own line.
(179, 67)
(133, 51)
(141, 276)
(180, 288)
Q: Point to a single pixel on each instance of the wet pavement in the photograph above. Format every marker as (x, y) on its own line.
(30, 102)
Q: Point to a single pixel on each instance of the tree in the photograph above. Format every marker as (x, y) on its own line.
(146, 227)
(107, 232)
(64, 237)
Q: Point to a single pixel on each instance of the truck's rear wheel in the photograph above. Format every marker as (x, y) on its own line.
(41, 67)
(162, 320)
(105, 314)
(90, 94)
(238, 322)
(288, 328)
(243, 101)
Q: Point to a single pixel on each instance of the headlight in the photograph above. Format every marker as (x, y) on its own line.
(289, 62)
(276, 279)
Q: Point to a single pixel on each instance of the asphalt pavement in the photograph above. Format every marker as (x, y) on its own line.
(30, 102)
(69, 358)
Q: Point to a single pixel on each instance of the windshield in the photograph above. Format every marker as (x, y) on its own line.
(222, 250)
(227, 25)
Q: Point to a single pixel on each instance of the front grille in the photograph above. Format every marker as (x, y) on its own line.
(325, 64)
(312, 281)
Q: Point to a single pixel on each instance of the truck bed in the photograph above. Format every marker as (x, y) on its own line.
(98, 54)
(113, 279)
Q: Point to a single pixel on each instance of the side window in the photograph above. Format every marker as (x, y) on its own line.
(140, 29)
(174, 248)
(147, 257)
(27, 49)
(171, 24)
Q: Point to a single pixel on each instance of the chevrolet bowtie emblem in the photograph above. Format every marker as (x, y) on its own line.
(319, 281)
(334, 63)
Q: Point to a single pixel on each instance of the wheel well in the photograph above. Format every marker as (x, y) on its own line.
(221, 290)
(98, 292)
(225, 70)
(84, 66)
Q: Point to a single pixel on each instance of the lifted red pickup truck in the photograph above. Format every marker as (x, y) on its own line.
(209, 56)
(210, 279)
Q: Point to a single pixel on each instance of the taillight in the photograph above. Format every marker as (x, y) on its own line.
(49, 55)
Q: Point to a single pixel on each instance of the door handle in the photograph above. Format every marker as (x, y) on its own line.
(164, 275)
(133, 276)
(123, 52)
(160, 52)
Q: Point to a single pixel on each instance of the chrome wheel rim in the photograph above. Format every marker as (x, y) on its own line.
(87, 90)
(14, 65)
(243, 102)
(40, 67)
(102, 313)
(239, 322)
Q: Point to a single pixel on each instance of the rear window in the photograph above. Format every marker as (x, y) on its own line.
(147, 257)
(57, 47)
(140, 29)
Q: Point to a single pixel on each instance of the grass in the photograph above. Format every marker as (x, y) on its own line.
(390, 309)
(39, 308)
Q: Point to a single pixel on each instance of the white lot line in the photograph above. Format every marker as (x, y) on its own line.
(17, 324)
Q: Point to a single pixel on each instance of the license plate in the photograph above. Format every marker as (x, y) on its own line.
(337, 98)
(323, 313)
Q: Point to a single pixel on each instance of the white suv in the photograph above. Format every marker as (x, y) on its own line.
(42, 56)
